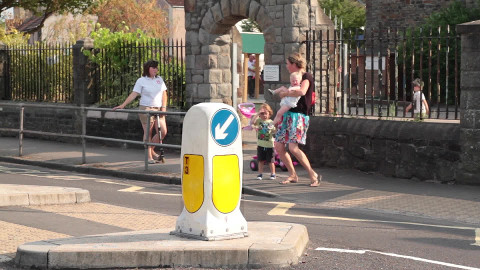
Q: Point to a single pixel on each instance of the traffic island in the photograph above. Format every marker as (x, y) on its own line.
(269, 244)
(24, 195)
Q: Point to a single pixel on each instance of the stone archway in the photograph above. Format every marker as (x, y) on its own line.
(208, 37)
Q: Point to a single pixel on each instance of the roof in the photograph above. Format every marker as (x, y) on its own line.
(30, 23)
(252, 42)
(176, 2)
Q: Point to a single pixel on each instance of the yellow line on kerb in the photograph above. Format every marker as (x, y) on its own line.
(282, 208)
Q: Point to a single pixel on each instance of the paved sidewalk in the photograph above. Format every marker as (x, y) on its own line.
(339, 189)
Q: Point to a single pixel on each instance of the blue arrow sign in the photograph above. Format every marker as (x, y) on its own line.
(224, 127)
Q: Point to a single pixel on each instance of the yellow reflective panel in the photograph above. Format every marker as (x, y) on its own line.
(226, 183)
(192, 182)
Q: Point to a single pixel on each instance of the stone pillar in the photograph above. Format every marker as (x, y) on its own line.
(3, 71)
(469, 167)
(83, 70)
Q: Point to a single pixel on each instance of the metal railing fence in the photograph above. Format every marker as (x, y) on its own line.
(83, 136)
(121, 66)
(39, 72)
(44, 73)
(371, 73)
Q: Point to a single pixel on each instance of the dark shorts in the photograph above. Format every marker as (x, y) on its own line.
(265, 154)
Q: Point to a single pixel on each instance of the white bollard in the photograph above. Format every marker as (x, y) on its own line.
(212, 168)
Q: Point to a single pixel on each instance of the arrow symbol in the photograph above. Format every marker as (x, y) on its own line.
(220, 130)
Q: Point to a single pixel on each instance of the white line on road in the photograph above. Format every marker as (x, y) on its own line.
(5, 259)
(282, 208)
(398, 256)
(477, 238)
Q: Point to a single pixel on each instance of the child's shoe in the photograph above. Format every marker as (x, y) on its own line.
(273, 176)
(259, 177)
(272, 91)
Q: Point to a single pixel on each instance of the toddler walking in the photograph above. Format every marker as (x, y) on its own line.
(419, 101)
(265, 137)
(287, 102)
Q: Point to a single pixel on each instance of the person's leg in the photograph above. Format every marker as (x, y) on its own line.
(147, 133)
(272, 170)
(286, 159)
(270, 161)
(260, 169)
(302, 158)
(151, 153)
(251, 86)
(280, 112)
(260, 161)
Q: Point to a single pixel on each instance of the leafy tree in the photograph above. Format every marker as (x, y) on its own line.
(124, 53)
(350, 12)
(45, 8)
(249, 25)
(12, 37)
(136, 14)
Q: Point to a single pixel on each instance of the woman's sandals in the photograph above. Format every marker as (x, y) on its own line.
(316, 181)
(289, 180)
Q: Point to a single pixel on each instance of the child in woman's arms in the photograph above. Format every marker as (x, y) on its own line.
(287, 102)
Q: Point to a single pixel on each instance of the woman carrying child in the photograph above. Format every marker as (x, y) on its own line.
(293, 129)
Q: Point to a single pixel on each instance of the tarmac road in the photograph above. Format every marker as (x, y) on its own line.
(342, 235)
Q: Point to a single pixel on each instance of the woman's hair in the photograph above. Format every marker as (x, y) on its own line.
(267, 108)
(418, 82)
(148, 65)
(298, 60)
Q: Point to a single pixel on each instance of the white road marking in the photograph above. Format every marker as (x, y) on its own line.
(398, 256)
(477, 238)
(282, 208)
(131, 189)
(4, 258)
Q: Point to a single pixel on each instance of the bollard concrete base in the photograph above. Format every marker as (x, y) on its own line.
(269, 244)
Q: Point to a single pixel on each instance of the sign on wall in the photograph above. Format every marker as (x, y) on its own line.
(271, 73)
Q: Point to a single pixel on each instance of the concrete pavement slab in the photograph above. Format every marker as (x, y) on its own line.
(281, 246)
(18, 195)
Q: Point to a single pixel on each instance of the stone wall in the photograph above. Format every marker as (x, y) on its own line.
(208, 37)
(116, 125)
(402, 13)
(426, 151)
(470, 102)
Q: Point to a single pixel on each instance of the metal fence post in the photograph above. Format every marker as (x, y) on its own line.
(82, 73)
(20, 132)
(84, 132)
(3, 71)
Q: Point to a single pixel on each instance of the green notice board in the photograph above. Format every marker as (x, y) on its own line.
(253, 43)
